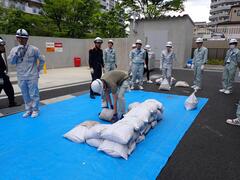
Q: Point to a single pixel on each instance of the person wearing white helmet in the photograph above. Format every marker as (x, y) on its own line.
(146, 66)
(29, 62)
(167, 58)
(235, 121)
(137, 57)
(110, 58)
(199, 60)
(231, 63)
(115, 82)
(96, 63)
(5, 83)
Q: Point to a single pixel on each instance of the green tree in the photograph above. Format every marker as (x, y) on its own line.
(57, 11)
(152, 8)
(80, 17)
(111, 24)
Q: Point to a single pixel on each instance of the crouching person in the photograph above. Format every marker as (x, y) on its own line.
(26, 58)
(117, 83)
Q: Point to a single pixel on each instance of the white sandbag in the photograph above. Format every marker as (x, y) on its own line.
(143, 129)
(158, 116)
(140, 112)
(137, 123)
(159, 81)
(157, 103)
(133, 105)
(94, 142)
(131, 147)
(114, 149)
(77, 134)
(106, 114)
(191, 102)
(119, 132)
(95, 131)
(148, 128)
(154, 124)
(140, 138)
(89, 124)
(181, 84)
(165, 85)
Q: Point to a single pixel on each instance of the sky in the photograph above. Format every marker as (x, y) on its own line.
(198, 10)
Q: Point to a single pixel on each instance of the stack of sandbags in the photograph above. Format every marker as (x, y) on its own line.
(120, 139)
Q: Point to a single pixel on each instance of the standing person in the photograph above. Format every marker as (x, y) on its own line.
(231, 62)
(235, 121)
(110, 59)
(115, 82)
(29, 62)
(167, 58)
(199, 60)
(5, 83)
(130, 63)
(137, 56)
(146, 66)
(96, 63)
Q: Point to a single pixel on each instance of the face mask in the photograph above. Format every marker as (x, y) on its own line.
(232, 46)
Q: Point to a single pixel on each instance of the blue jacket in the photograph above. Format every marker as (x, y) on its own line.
(232, 57)
(109, 56)
(200, 56)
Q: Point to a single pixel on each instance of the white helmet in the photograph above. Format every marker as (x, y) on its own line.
(22, 33)
(110, 41)
(147, 47)
(97, 86)
(133, 45)
(138, 41)
(199, 40)
(169, 44)
(233, 41)
(98, 40)
(2, 42)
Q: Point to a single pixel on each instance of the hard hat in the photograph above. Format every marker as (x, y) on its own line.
(133, 45)
(2, 42)
(97, 86)
(169, 44)
(138, 41)
(98, 40)
(199, 40)
(147, 47)
(233, 41)
(110, 41)
(22, 33)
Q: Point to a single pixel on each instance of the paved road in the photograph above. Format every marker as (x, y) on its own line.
(210, 148)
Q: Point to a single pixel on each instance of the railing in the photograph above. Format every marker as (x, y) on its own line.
(223, 1)
(229, 32)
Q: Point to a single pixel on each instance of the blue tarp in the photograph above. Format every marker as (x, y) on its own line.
(35, 148)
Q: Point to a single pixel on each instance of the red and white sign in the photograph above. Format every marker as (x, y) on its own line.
(50, 47)
(58, 47)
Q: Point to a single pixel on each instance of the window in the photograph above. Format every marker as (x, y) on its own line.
(238, 12)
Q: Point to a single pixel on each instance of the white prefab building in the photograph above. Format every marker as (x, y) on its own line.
(157, 32)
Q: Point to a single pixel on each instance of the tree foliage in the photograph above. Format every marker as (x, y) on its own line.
(153, 8)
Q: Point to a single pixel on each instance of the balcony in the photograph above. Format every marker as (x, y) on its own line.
(222, 1)
(221, 8)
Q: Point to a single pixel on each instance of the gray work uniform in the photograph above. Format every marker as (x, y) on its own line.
(231, 62)
(167, 59)
(138, 58)
(200, 58)
(110, 59)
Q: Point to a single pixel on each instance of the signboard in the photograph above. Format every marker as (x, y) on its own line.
(50, 47)
(58, 47)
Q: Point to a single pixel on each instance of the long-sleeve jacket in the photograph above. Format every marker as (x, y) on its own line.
(3, 66)
(96, 58)
(109, 55)
(167, 58)
(200, 56)
(28, 61)
(137, 56)
(233, 57)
